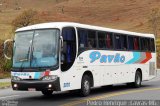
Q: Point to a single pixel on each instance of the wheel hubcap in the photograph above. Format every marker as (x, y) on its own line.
(138, 79)
(86, 86)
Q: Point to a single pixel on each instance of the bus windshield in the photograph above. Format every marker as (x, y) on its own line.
(37, 48)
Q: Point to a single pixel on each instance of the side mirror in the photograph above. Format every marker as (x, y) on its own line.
(5, 48)
(62, 55)
(61, 40)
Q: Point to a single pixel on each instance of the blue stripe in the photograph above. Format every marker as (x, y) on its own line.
(37, 75)
(136, 56)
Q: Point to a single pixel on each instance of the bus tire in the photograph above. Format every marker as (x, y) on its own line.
(138, 80)
(85, 86)
(47, 92)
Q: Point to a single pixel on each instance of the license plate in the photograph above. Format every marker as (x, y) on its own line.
(31, 89)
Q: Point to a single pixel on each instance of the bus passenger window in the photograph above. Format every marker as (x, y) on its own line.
(90, 44)
(142, 41)
(152, 45)
(101, 40)
(124, 42)
(136, 43)
(91, 39)
(117, 41)
(147, 44)
(109, 40)
(130, 43)
(82, 35)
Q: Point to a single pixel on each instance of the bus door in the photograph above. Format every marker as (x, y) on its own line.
(68, 55)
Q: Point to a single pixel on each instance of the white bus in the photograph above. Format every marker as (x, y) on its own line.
(64, 56)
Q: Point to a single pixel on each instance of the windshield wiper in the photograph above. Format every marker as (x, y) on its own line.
(22, 60)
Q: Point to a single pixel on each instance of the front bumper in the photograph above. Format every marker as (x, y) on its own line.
(38, 85)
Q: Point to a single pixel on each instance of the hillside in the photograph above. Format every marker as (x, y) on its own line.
(132, 15)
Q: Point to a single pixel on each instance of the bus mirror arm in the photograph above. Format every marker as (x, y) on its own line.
(61, 39)
(62, 55)
(4, 48)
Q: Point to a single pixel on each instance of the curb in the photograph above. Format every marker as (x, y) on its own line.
(5, 87)
(5, 80)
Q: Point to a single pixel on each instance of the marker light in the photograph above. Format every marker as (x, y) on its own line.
(15, 86)
(49, 85)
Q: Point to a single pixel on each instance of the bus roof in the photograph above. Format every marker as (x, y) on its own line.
(69, 24)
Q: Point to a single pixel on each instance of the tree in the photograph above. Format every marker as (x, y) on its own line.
(154, 20)
(26, 18)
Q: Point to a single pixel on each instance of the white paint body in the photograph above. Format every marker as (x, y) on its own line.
(103, 73)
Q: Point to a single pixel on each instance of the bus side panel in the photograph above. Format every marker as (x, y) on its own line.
(85, 63)
(149, 69)
(71, 79)
(107, 67)
(118, 74)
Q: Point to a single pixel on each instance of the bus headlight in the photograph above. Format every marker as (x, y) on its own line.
(50, 77)
(15, 78)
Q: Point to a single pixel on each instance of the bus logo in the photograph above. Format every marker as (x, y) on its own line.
(66, 84)
(117, 58)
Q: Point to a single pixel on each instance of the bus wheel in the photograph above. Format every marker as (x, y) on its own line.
(138, 80)
(85, 85)
(47, 92)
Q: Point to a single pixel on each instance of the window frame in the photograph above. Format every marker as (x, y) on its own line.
(150, 50)
(78, 43)
(104, 32)
(113, 34)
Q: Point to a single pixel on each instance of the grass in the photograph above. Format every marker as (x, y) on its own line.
(5, 84)
(5, 75)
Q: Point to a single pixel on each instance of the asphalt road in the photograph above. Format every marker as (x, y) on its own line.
(150, 90)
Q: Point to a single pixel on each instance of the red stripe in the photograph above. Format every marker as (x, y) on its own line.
(148, 57)
(46, 73)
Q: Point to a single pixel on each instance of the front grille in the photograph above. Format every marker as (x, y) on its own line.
(31, 79)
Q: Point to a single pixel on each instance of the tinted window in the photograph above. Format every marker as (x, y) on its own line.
(117, 41)
(87, 38)
(152, 45)
(91, 41)
(105, 40)
(142, 42)
(109, 40)
(69, 44)
(82, 37)
(136, 43)
(101, 40)
(130, 43)
(124, 42)
(68, 54)
(147, 43)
